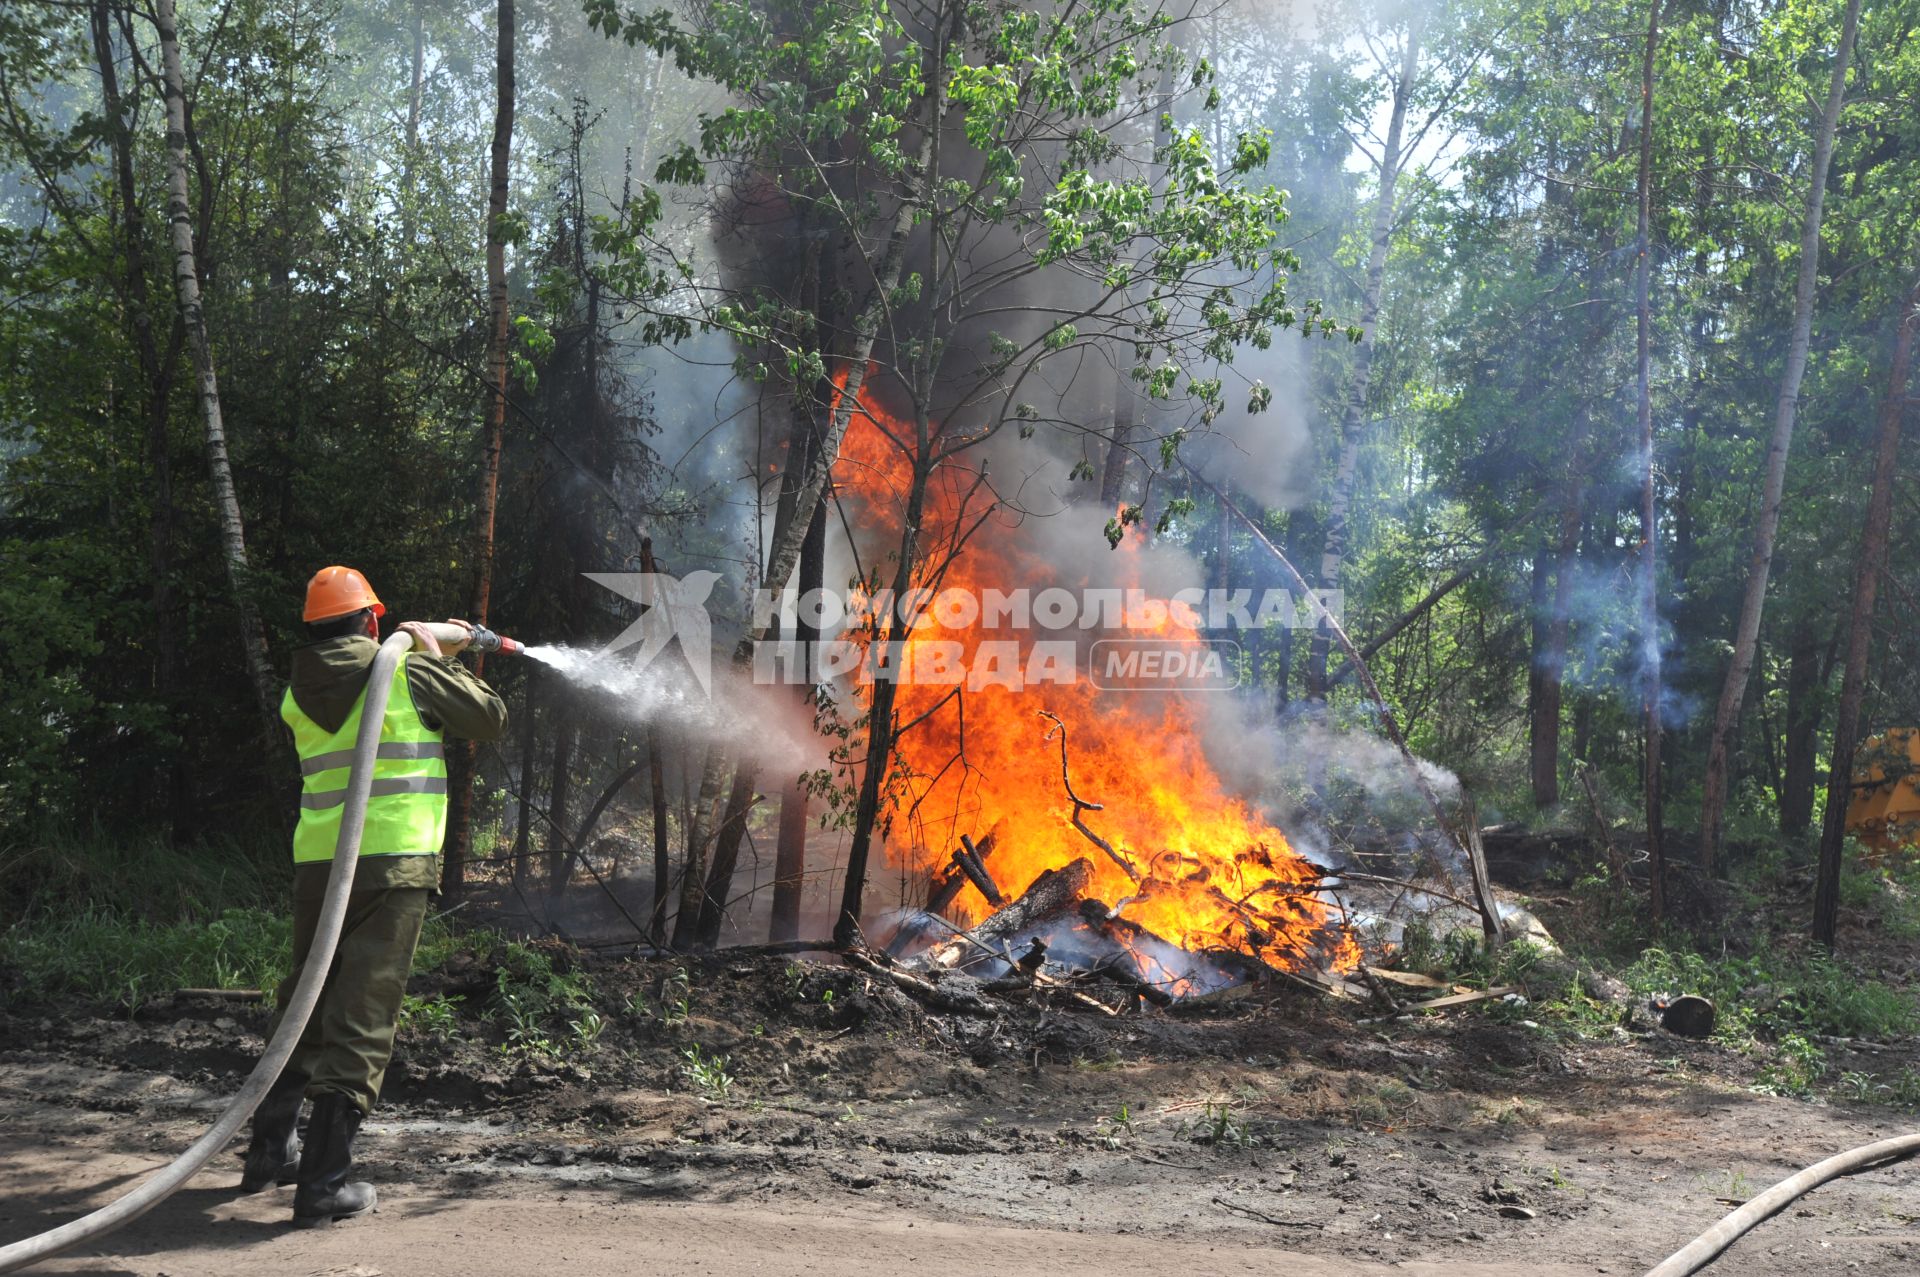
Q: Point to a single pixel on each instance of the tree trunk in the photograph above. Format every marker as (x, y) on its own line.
(1283, 673)
(1222, 546)
(409, 161)
(790, 854)
(173, 787)
(1650, 725)
(414, 82)
(523, 823)
(1726, 718)
(560, 797)
(1866, 583)
(892, 641)
(1553, 660)
(790, 527)
(1805, 675)
(1126, 420)
(791, 520)
(662, 852)
(1353, 423)
(1543, 749)
(461, 774)
(186, 277)
(727, 838)
(693, 877)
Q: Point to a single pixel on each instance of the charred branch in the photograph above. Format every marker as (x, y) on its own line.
(1080, 804)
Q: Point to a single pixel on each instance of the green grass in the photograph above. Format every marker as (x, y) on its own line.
(69, 871)
(118, 922)
(1780, 994)
(106, 957)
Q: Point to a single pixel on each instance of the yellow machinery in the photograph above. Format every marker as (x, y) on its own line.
(1884, 809)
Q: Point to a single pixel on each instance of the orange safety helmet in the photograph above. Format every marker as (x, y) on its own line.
(338, 591)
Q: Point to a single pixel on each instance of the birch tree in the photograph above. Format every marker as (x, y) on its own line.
(1649, 512)
(1746, 635)
(186, 279)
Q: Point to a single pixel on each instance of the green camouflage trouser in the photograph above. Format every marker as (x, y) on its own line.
(349, 1039)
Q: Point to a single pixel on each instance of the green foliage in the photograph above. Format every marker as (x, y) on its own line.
(121, 923)
(1780, 994)
(708, 1073)
(534, 1002)
(436, 1017)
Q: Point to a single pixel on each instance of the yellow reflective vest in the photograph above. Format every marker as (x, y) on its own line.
(407, 810)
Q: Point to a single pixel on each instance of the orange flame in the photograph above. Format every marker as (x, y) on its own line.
(1214, 874)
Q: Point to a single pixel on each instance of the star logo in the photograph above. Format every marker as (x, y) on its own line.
(674, 607)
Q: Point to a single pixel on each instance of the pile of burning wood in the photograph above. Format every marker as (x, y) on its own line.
(1058, 945)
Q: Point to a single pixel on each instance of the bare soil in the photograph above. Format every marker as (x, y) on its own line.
(863, 1133)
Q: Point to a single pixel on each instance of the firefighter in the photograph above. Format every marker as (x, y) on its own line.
(342, 1056)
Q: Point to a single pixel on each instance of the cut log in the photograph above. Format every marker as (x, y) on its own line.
(970, 862)
(946, 886)
(1053, 894)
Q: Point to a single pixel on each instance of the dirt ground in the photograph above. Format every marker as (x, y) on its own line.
(859, 1133)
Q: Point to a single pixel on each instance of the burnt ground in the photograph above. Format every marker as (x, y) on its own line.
(856, 1131)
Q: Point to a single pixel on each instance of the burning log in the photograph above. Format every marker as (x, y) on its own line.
(973, 864)
(969, 864)
(947, 887)
(1054, 893)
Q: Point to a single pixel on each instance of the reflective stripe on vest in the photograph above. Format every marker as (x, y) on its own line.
(407, 803)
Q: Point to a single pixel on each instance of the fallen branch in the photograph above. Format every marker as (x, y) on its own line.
(1410, 884)
(962, 1002)
(947, 888)
(1410, 978)
(1265, 1218)
(1028, 981)
(973, 865)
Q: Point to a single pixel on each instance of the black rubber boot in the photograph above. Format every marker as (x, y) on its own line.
(324, 1194)
(273, 1156)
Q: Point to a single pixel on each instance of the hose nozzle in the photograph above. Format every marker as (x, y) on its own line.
(457, 636)
(485, 640)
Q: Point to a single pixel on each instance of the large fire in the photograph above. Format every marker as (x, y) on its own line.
(1212, 874)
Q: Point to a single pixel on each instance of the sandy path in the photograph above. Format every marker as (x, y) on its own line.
(206, 1230)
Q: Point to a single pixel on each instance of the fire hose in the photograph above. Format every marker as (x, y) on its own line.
(1706, 1248)
(306, 992)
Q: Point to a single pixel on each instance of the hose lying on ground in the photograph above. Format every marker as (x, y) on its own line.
(158, 1187)
(1704, 1249)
